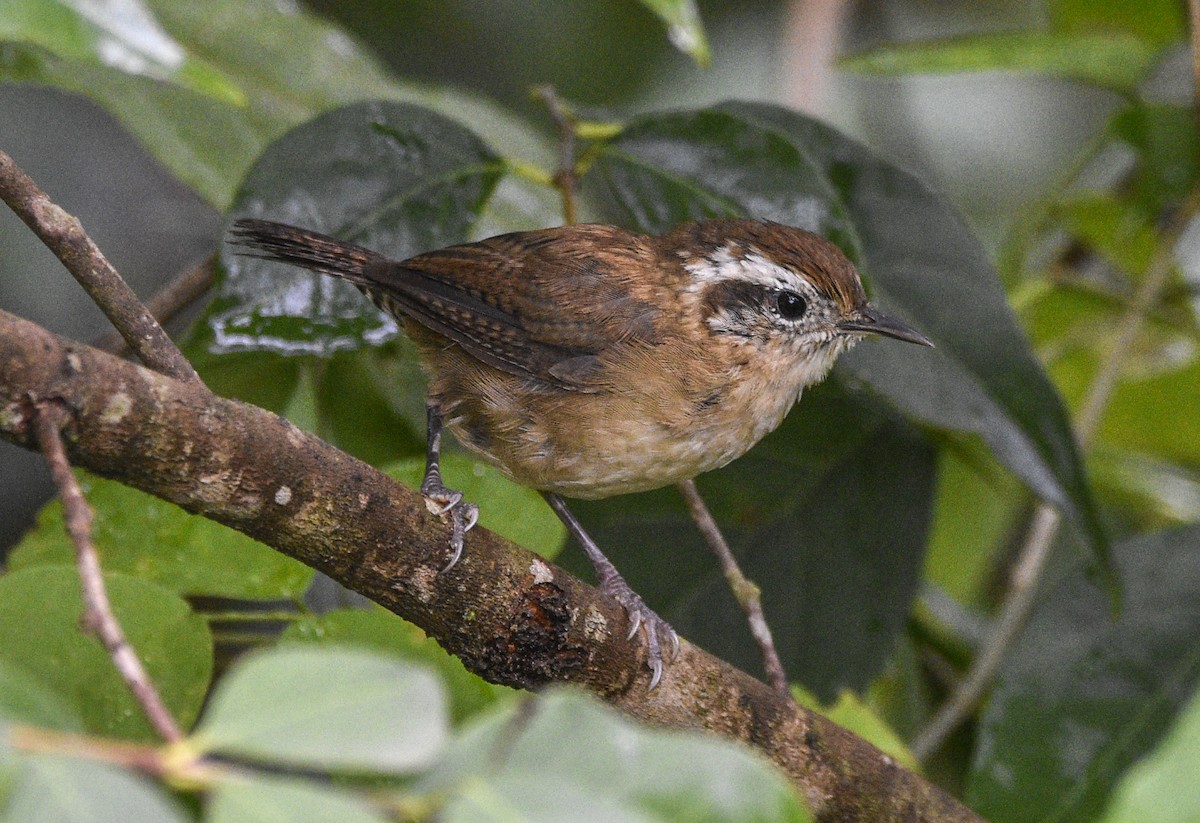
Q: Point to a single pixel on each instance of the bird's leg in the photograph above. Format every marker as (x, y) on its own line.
(439, 499)
(656, 631)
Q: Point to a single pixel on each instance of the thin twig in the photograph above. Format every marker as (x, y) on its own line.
(813, 37)
(98, 616)
(745, 591)
(566, 178)
(168, 302)
(64, 236)
(1044, 525)
(1194, 8)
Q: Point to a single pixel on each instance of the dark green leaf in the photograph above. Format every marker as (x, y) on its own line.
(510, 510)
(345, 710)
(56, 789)
(1168, 152)
(569, 758)
(1082, 696)
(393, 177)
(1111, 59)
(172, 641)
(923, 262)
(384, 632)
(149, 538)
(266, 799)
(815, 519)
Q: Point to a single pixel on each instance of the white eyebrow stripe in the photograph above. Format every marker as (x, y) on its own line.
(752, 267)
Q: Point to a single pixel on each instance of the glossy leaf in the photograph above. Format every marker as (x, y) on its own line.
(129, 40)
(813, 515)
(1163, 788)
(1111, 59)
(683, 27)
(500, 770)
(149, 538)
(267, 799)
(393, 177)
(346, 710)
(1082, 696)
(510, 510)
(383, 632)
(55, 789)
(172, 641)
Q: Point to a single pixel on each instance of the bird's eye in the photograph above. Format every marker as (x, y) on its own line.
(790, 305)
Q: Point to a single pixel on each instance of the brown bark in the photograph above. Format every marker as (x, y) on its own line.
(512, 617)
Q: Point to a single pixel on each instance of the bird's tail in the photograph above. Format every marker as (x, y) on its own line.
(311, 250)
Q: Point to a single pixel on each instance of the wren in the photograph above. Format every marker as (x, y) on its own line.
(589, 361)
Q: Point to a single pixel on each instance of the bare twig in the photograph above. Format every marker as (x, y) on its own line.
(167, 302)
(98, 616)
(1044, 525)
(64, 236)
(566, 178)
(745, 591)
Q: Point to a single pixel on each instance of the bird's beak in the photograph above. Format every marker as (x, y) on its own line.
(869, 320)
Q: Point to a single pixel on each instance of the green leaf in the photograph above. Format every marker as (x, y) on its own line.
(1162, 788)
(26, 698)
(345, 710)
(683, 27)
(370, 405)
(203, 141)
(1168, 152)
(501, 770)
(56, 789)
(1113, 60)
(172, 641)
(1144, 415)
(922, 260)
(392, 177)
(129, 40)
(384, 632)
(265, 799)
(814, 518)
(1082, 696)
(1160, 22)
(852, 713)
(149, 538)
(512, 511)
(1120, 233)
(919, 256)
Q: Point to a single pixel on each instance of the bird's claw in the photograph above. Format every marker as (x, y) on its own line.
(463, 517)
(653, 628)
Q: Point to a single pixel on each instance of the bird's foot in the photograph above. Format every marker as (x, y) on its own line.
(656, 633)
(463, 515)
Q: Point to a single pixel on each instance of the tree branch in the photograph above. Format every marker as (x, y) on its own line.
(530, 622)
(64, 236)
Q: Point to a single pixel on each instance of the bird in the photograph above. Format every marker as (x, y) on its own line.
(588, 360)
